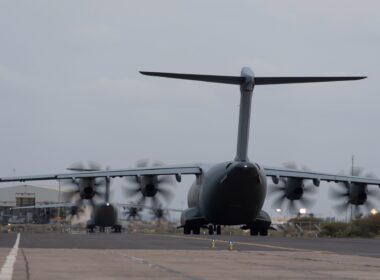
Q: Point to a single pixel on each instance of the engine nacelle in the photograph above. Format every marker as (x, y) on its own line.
(358, 194)
(148, 185)
(87, 188)
(294, 188)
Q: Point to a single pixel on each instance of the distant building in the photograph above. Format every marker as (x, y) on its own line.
(28, 195)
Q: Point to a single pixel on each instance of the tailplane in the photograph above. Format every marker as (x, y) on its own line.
(247, 82)
(239, 80)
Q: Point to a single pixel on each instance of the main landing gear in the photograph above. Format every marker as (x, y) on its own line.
(90, 228)
(188, 230)
(214, 228)
(115, 228)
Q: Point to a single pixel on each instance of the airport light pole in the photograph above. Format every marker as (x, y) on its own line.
(59, 199)
(352, 174)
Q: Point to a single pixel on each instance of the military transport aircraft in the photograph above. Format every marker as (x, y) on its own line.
(231, 192)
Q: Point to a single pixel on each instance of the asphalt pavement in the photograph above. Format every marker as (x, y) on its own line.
(147, 256)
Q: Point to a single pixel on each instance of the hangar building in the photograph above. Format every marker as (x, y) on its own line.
(27, 195)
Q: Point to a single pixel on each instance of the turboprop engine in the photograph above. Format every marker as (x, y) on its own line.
(356, 194)
(353, 194)
(291, 190)
(149, 186)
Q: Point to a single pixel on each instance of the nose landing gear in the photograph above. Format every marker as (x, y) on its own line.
(212, 229)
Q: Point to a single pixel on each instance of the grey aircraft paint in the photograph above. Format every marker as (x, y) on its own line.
(233, 193)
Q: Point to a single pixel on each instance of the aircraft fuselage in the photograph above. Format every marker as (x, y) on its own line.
(230, 193)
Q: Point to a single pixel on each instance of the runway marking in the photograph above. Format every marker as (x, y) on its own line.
(6, 272)
(159, 267)
(245, 243)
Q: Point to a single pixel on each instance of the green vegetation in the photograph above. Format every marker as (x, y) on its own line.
(368, 226)
(310, 218)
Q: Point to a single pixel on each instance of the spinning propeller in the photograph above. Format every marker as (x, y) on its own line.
(76, 212)
(86, 188)
(159, 214)
(292, 191)
(132, 213)
(151, 186)
(355, 194)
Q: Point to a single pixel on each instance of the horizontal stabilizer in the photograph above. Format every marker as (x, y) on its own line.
(235, 80)
(292, 80)
(239, 80)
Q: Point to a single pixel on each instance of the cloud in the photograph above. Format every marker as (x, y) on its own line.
(99, 33)
(9, 77)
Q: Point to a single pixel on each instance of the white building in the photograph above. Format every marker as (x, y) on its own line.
(27, 195)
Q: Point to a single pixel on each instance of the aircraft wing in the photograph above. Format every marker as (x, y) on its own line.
(184, 169)
(276, 173)
(142, 206)
(50, 205)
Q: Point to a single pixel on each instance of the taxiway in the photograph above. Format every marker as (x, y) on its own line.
(147, 256)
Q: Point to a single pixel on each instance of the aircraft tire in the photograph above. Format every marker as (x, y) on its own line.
(196, 230)
(186, 230)
(90, 229)
(210, 230)
(218, 230)
(253, 232)
(117, 228)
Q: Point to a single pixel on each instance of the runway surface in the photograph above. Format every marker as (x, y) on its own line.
(146, 256)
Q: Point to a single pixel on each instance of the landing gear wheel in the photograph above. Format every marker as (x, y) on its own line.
(117, 228)
(90, 228)
(196, 230)
(264, 232)
(254, 232)
(186, 230)
(210, 230)
(218, 230)
(102, 229)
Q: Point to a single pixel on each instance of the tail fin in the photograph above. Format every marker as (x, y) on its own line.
(247, 82)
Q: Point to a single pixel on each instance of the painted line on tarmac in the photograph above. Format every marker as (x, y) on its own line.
(244, 243)
(6, 271)
(158, 267)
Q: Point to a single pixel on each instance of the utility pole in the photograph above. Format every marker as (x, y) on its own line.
(352, 174)
(59, 200)
(14, 175)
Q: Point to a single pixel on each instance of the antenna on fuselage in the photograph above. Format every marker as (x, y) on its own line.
(247, 82)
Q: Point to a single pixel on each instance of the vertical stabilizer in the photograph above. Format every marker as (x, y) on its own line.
(246, 90)
(247, 82)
